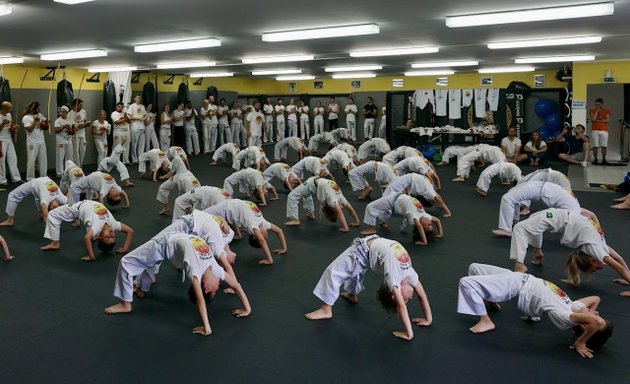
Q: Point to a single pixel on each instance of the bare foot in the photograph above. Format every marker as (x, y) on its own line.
(441, 163)
(354, 225)
(344, 229)
(492, 306)
(292, 223)
(128, 183)
(459, 179)
(384, 225)
(51, 247)
(7, 223)
(520, 267)
(501, 233)
(88, 258)
(480, 192)
(165, 211)
(8, 258)
(265, 262)
(484, 325)
(620, 199)
(350, 297)
(624, 293)
(538, 258)
(369, 231)
(620, 206)
(310, 216)
(214, 163)
(139, 292)
(320, 314)
(122, 307)
(76, 224)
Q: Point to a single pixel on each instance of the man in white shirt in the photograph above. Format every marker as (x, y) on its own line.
(511, 146)
(7, 149)
(333, 114)
(351, 118)
(192, 137)
(137, 113)
(121, 121)
(292, 118)
(33, 122)
(224, 123)
(280, 125)
(205, 125)
(318, 118)
(254, 125)
(268, 111)
(305, 126)
(78, 116)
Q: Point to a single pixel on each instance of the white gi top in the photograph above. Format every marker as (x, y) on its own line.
(255, 120)
(318, 113)
(281, 171)
(351, 111)
(137, 111)
(328, 192)
(303, 111)
(334, 111)
(209, 227)
(224, 117)
(585, 234)
(193, 255)
(36, 136)
(157, 157)
(238, 116)
(244, 214)
(62, 137)
(45, 190)
(122, 127)
(95, 215)
(207, 196)
(178, 113)
(539, 296)
(175, 152)
(97, 181)
(419, 185)
(337, 156)
(5, 132)
(98, 125)
(291, 112)
(78, 118)
(212, 108)
(280, 112)
(393, 260)
(190, 124)
(268, 109)
(410, 208)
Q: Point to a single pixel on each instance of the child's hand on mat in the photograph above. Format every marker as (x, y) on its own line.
(202, 331)
(620, 281)
(121, 250)
(421, 321)
(402, 335)
(582, 350)
(240, 312)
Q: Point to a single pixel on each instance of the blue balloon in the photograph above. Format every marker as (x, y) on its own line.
(545, 107)
(553, 122)
(544, 133)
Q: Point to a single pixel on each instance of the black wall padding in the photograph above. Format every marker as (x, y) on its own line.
(109, 105)
(213, 91)
(149, 95)
(183, 94)
(5, 90)
(65, 94)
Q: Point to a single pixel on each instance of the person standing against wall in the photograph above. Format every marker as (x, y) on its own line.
(600, 117)
(369, 111)
(33, 122)
(318, 118)
(333, 114)
(351, 118)
(268, 111)
(78, 116)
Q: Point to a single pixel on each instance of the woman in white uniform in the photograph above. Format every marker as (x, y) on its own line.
(33, 122)
(150, 137)
(383, 174)
(223, 151)
(99, 223)
(486, 285)
(63, 134)
(318, 118)
(282, 172)
(165, 127)
(508, 173)
(383, 256)
(248, 180)
(47, 197)
(279, 111)
(351, 118)
(305, 125)
(325, 137)
(100, 130)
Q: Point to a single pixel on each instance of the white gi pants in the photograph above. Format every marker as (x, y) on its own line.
(455, 151)
(122, 138)
(269, 125)
(222, 152)
(225, 131)
(64, 153)
(36, 153)
(205, 130)
(504, 170)
(101, 150)
(64, 182)
(382, 129)
(357, 175)
(19, 194)
(280, 151)
(464, 163)
(318, 123)
(79, 145)
(192, 141)
(142, 262)
(293, 129)
(347, 270)
(280, 126)
(352, 127)
(293, 202)
(530, 231)
(305, 128)
(150, 138)
(255, 141)
(137, 144)
(213, 135)
(165, 138)
(64, 213)
(112, 161)
(165, 189)
(379, 209)
(368, 128)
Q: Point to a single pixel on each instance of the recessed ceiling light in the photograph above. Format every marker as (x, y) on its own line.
(74, 54)
(509, 69)
(5, 10)
(112, 69)
(72, 2)
(178, 45)
(212, 74)
(445, 72)
(394, 51)
(442, 64)
(295, 77)
(554, 59)
(276, 72)
(353, 75)
(277, 59)
(187, 64)
(547, 42)
(531, 15)
(321, 33)
(11, 60)
(353, 68)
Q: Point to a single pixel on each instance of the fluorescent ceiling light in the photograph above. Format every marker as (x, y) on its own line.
(442, 64)
(511, 69)
(277, 59)
(394, 51)
(178, 45)
(5, 10)
(74, 54)
(189, 64)
(353, 75)
(112, 69)
(321, 33)
(276, 72)
(353, 68)
(429, 73)
(529, 15)
(295, 77)
(549, 42)
(71, 2)
(554, 59)
(212, 74)
(11, 60)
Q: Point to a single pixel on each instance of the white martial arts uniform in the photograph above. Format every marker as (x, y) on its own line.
(418, 185)
(71, 174)
(441, 101)
(205, 128)
(240, 213)
(305, 124)
(247, 179)
(35, 147)
(96, 181)
(414, 164)
(422, 97)
(268, 109)
(535, 296)
(137, 113)
(121, 133)
(280, 121)
(374, 146)
(165, 131)
(43, 189)
(548, 175)
(349, 149)
(339, 157)
(480, 102)
(92, 214)
(393, 157)
(456, 151)
(329, 193)
(318, 120)
(256, 119)
(214, 139)
(150, 137)
(100, 141)
(491, 153)
(79, 143)
(326, 137)
(351, 120)
(199, 199)
(224, 150)
(175, 152)
(383, 127)
(280, 171)
(576, 232)
(251, 155)
(191, 134)
(292, 120)
(156, 157)
(455, 104)
(383, 173)
(341, 134)
(225, 132)
(400, 204)
(504, 170)
(239, 136)
(550, 194)
(64, 148)
(304, 192)
(182, 179)
(467, 97)
(113, 160)
(282, 147)
(311, 164)
(493, 99)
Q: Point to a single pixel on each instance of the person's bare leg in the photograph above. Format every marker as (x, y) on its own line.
(480, 192)
(122, 307)
(369, 230)
(538, 257)
(342, 219)
(350, 297)
(459, 179)
(324, 312)
(8, 222)
(165, 209)
(520, 267)
(53, 246)
(139, 292)
(501, 233)
(484, 325)
(292, 223)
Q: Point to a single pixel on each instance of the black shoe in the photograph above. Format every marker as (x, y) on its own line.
(604, 162)
(595, 162)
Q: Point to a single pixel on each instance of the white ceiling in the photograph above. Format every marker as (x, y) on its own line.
(43, 26)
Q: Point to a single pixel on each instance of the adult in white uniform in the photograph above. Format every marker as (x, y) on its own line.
(305, 125)
(508, 173)
(137, 113)
(281, 148)
(113, 161)
(100, 130)
(121, 121)
(414, 184)
(103, 184)
(376, 146)
(188, 253)
(333, 114)
(199, 199)
(486, 285)
(177, 123)
(239, 136)
(383, 256)
(351, 118)
(214, 137)
(150, 137)
(78, 116)
(318, 118)
(178, 177)
(250, 156)
(268, 110)
(158, 163)
(383, 174)
(99, 223)
(279, 111)
(165, 127)
(341, 134)
(192, 136)
(325, 137)
(33, 121)
(292, 124)
(549, 194)
(205, 125)
(223, 151)
(224, 122)
(254, 125)
(370, 111)
(382, 129)
(46, 193)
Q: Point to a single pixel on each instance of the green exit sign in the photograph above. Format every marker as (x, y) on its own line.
(609, 80)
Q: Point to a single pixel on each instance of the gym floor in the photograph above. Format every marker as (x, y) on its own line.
(53, 329)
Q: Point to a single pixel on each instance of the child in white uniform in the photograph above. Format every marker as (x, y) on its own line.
(175, 152)
(71, 174)
(349, 149)
(486, 285)
(249, 179)
(339, 158)
(393, 157)
(99, 223)
(376, 146)
(112, 161)
(382, 256)
(199, 199)
(282, 172)
(417, 185)
(46, 193)
(403, 205)
(158, 163)
(466, 162)
(341, 134)
(249, 156)
(455, 151)
(332, 203)
(325, 137)
(506, 171)
(223, 151)
(417, 164)
(383, 174)
(101, 183)
(303, 192)
(281, 148)
(178, 177)
(550, 194)
(312, 164)
(188, 253)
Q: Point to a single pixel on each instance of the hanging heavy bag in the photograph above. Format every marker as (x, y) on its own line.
(183, 95)
(5, 90)
(149, 95)
(65, 94)
(109, 105)
(213, 91)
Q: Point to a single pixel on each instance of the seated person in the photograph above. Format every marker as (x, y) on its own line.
(578, 145)
(511, 146)
(535, 149)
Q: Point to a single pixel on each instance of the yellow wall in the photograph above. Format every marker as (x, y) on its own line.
(593, 73)
(15, 74)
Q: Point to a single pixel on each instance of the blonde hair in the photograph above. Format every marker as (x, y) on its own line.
(577, 261)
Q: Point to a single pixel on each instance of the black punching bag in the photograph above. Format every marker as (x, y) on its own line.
(109, 105)
(5, 90)
(183, 95)
(213, 91)
(65, 94)
(149, 95)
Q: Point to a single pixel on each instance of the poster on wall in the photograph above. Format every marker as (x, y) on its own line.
(292, 87)
(441, 81)
(398, 83)
(539, 81)
(356, 84)
(515, 113)
(318, 84)
(486, 81)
